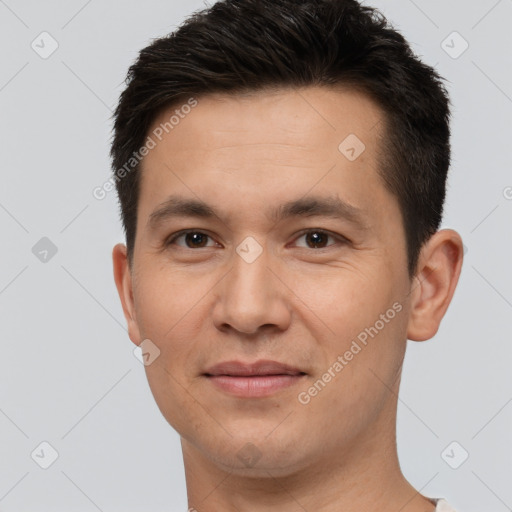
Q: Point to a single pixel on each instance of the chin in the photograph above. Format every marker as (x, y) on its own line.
(255, 456)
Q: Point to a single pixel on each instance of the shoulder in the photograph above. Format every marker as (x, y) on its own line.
(443, 506)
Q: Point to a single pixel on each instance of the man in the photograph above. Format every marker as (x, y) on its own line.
(281, 169)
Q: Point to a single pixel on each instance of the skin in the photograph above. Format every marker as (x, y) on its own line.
(296, 303)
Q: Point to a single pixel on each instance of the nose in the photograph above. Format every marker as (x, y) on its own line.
(251, 298)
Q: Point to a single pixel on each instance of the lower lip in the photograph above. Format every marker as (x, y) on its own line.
(256, 386)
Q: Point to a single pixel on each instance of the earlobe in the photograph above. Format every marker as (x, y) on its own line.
(432, 289)
(123, 280)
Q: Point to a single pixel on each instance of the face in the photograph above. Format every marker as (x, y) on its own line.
(296, 255)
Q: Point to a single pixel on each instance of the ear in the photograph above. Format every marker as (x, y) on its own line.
(432, 288)
(123, 279)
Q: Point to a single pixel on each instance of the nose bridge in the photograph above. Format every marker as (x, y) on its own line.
(250, 296)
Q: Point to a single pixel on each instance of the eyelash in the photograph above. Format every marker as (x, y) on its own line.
(341, 239)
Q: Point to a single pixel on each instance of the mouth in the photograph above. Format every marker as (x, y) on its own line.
(258, 379)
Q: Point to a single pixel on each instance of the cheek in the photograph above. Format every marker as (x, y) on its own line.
(175, 403)
(165, 302)
(365, 373)
(171, 312)
(344, 299)
(362, 318)
(169, 308)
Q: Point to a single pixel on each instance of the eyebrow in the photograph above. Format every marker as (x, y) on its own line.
(334, 207)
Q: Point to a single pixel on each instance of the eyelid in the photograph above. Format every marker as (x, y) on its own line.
(172, 238)
(340, 238)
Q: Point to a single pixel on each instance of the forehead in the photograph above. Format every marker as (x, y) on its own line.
(306, 117)
(264, 145)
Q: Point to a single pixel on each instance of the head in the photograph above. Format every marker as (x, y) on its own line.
(266, 120)
(253, 45)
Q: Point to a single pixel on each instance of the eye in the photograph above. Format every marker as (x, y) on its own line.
(314, 239)
(318, 238)
(193, 239)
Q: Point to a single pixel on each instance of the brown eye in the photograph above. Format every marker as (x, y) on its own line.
(196, 239)
(193, 239)
(317, 239)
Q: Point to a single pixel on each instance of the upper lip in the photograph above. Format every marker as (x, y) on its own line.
(262, 367)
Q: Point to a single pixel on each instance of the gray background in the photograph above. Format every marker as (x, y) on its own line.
(68, 375)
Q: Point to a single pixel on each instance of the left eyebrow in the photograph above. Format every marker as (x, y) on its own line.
(322, 207)
(177, 206)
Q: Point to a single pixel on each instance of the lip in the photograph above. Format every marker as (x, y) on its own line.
(258, 379)
(257, 368)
